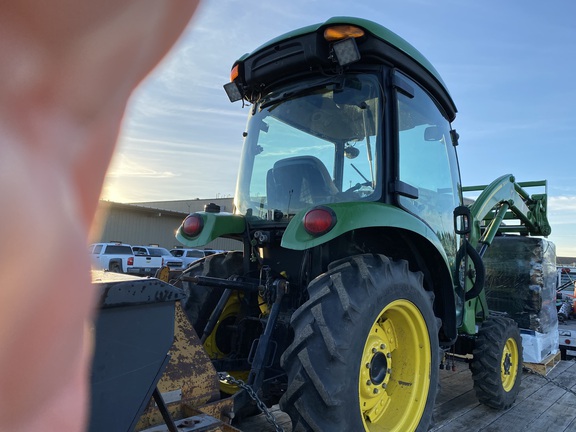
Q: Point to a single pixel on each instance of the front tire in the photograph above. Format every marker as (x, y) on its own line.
(365, 350)
(497, 363)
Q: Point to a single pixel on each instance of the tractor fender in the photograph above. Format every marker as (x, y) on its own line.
(215, 225)
(357, 215)
(362, 215)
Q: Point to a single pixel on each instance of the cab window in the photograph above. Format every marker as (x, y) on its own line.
(427, 159)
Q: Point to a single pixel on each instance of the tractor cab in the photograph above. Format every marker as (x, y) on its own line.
(340, 112)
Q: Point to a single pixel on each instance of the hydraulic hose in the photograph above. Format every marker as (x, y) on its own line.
(478, 283)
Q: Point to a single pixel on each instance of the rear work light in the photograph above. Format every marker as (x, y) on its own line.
(346, 51)
(233, 91)
(192, 225)
(319, 221)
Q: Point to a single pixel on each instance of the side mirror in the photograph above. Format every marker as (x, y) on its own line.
(462, 217)
(433, 133)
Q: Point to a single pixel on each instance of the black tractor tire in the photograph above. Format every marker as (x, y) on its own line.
(365, 354)
(201, 300)
(497, 363)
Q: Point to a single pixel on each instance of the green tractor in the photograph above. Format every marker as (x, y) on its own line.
(360, 264)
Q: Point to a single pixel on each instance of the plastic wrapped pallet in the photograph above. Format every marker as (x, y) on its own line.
(537, 346)
(521, 281)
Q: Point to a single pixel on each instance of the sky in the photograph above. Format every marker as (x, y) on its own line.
(509, 66)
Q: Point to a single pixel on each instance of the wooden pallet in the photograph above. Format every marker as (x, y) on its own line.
(545, 366)
(541, 405)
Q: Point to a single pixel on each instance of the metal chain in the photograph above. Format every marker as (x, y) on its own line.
(261, 406)
(551, 381)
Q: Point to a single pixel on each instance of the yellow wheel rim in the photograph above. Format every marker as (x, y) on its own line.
(231, 310)
(509, 364)
(163, 273)
(395, 371)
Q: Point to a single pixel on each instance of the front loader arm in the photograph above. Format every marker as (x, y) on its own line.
(505, 199)
(502, 207)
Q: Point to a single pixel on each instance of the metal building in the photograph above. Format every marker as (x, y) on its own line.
(156, 222)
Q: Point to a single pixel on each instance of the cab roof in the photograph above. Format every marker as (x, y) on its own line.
(373, 28)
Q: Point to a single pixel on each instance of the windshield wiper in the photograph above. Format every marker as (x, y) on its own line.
(365, 110)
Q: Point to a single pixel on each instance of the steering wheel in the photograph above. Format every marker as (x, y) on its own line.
(349, 193)
(358, 186)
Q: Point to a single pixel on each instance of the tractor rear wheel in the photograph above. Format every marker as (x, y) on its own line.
(497, 363)
(202, 300)
(365, 350)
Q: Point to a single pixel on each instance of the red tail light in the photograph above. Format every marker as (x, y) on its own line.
(192, 225)
(131, 261)
(319, 221)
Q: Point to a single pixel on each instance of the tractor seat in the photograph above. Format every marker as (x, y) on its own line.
(298, 182)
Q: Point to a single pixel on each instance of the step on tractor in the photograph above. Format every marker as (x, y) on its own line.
(361, 266)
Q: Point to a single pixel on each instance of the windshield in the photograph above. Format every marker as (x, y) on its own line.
(118, 250)
(313, 143)
(159, 252)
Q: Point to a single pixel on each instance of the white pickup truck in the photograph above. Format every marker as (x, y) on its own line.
(168, 259)
(188, 256)
(119, 257)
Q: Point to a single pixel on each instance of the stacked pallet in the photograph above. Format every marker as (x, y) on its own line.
(521, 281)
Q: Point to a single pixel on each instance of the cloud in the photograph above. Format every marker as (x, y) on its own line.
(563, 208)
(124, 166)
(562, 218)
(562, 202)
(147, 169)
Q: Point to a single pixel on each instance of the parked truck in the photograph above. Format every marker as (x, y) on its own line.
(156, 251)
(361, 267)
(119, 257)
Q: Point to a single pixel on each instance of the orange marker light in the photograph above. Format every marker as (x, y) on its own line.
(342, 32)
(234, 73)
